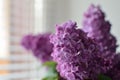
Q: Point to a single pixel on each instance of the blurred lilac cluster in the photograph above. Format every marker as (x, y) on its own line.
(39, 45)
(77, 55)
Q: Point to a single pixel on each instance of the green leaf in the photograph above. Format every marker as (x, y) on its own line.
(50, 78)
(52, 73)
(103, 77)
(50, 64)
(51, 70)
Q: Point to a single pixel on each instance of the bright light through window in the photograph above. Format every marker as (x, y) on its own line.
(39, 16)
(3, 31)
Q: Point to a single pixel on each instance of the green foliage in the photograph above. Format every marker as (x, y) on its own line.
(50, 64)
(50, 78)
(103, 77)
(52, 73)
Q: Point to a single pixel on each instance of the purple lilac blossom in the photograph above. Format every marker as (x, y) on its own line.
(39, 45)
(78, 57)
(97, 27)
(114, 73)
(116, 69)
(26, 41)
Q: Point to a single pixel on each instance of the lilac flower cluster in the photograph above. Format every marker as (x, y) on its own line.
(77, 55)
(81, 54)
(97, 27)
(27, 41)
(40, 46)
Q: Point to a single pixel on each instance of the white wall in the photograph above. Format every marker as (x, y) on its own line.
(54, 12)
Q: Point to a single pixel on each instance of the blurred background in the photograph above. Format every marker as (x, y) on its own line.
(20, 17)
